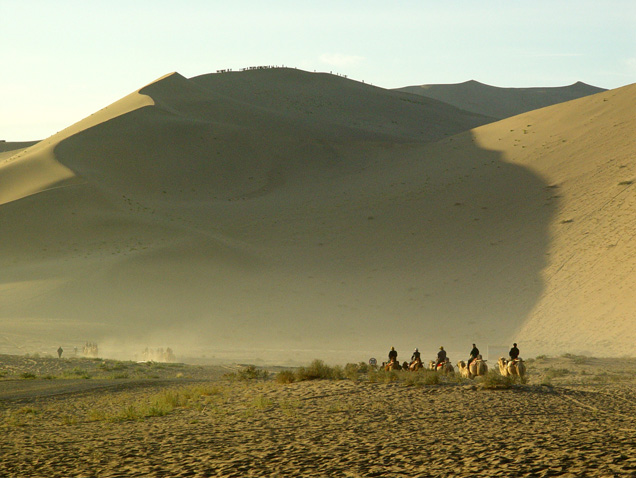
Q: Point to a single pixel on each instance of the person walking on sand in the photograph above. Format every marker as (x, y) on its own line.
(59, 352)
(474, 353)
(514, 352)
(441, 357)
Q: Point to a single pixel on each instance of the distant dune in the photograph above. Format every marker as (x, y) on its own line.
(283, 215)
(501, 102)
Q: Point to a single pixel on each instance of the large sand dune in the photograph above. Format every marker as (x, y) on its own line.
(279, 214)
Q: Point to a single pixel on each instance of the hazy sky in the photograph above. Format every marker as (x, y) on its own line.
(63, 60)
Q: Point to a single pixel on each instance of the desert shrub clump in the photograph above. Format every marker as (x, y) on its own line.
(317, 370)
(250, 372)
(286, 376)
(494, 381)
(353, 371)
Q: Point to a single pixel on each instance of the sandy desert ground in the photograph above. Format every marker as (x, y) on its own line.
(575, 416)
(280, 212)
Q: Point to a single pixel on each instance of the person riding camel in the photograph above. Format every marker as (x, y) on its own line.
(415, 358)
(393, 355)
(474, 353)
(441, 357)
(514, 352)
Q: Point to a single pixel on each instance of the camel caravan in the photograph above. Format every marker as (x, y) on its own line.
(475, 366)
(513, 367)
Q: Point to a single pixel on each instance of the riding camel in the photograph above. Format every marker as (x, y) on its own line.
(478, 367)
(415, 365)
(511, 368)
(444, 367)
(517, 368)
(392, 365)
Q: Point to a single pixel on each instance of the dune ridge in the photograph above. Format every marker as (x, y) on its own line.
(499, 102)
(282, 215)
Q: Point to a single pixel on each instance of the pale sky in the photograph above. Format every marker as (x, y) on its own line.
(63, 60)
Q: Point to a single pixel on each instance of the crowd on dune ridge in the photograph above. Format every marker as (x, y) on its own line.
(475, 366)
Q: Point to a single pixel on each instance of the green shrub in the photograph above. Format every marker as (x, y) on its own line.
(431, 378)
(248, 373)
(494, 381)
(352, 371)
(261, 402)
(318, 370)
(285, 376)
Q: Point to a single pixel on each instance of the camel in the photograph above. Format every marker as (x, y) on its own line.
(511, 368)
(463, 369)
(444, 367)
(392, 365)
(478, 367)
(503, 366)
(415, 365)
(517, 368)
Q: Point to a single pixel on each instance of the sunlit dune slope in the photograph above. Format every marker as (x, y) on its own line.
(33, 168)
(501, 102)
(279, 214)
(585, 151)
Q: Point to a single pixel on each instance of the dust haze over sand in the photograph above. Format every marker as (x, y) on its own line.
(282, 215)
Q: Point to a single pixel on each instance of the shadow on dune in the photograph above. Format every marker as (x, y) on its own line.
(257, 238)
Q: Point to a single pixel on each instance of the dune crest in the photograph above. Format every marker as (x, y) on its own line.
(501, 102)
(36, 168)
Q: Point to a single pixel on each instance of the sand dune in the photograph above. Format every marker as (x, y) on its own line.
(501, 102)
(584, 150)
(282, 215)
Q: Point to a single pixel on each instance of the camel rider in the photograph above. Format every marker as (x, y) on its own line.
(416, 356)
(441, 357)
(393, 354)
(474, 353)
(514, 352)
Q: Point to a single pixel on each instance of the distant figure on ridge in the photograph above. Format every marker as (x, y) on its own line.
(514, 352)
(59, 352)
(473, 354)
(415, 356)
